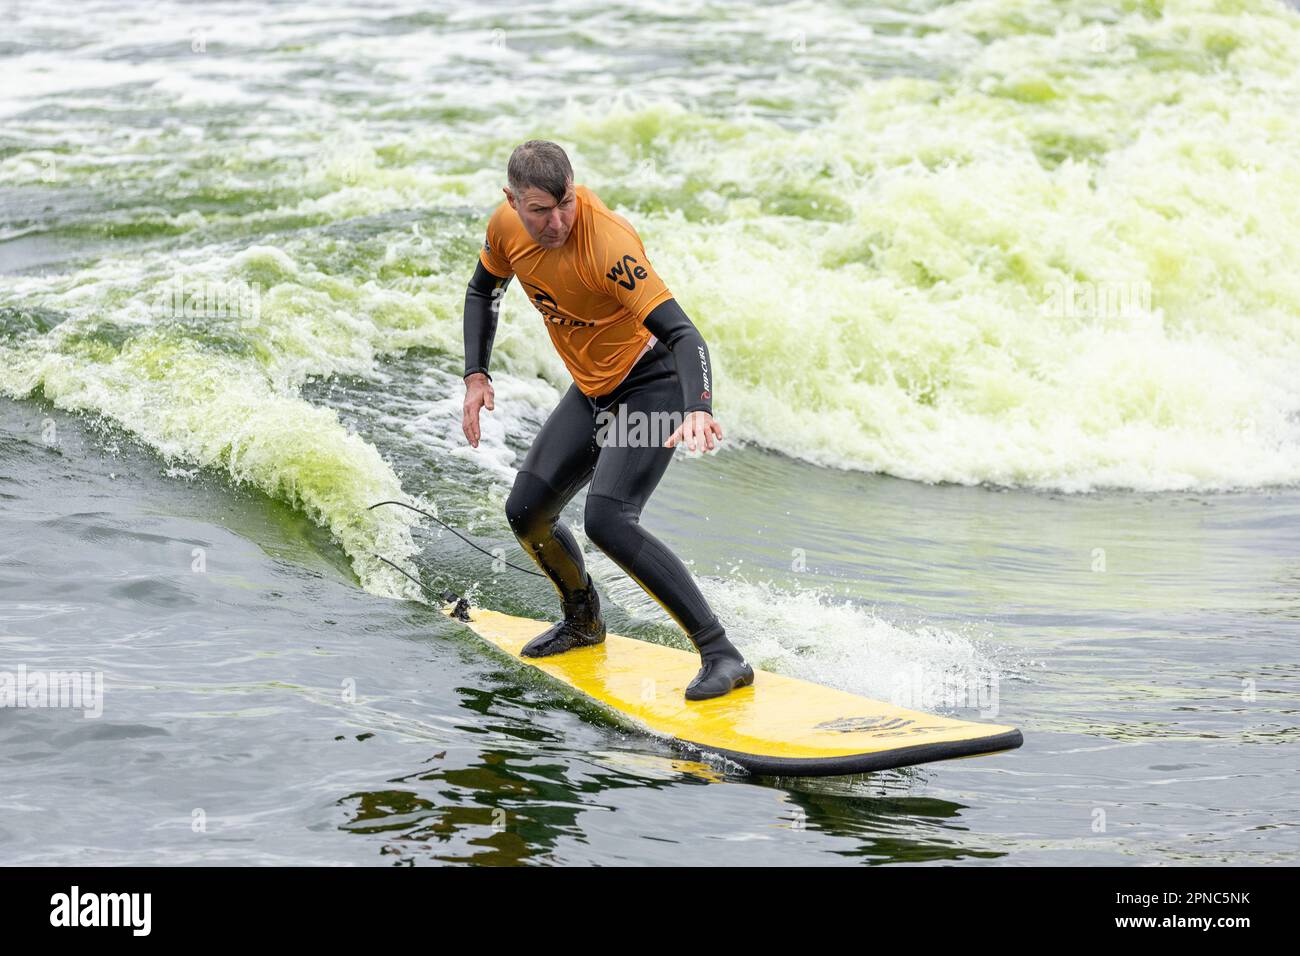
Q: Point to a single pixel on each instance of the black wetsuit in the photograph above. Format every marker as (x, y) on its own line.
(673, 376)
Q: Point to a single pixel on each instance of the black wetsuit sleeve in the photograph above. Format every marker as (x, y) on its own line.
(673, 328)
(482, 303)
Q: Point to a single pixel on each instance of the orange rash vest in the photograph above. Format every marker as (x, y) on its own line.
(593, 292)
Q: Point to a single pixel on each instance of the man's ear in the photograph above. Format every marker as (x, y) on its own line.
(510, 197)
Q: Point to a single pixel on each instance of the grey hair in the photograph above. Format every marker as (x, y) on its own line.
(541, 164)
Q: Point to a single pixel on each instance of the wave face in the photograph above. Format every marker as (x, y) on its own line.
(1025, 243)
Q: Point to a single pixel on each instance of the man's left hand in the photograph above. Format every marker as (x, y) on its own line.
(699, 430)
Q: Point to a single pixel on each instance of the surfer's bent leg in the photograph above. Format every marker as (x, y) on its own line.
(559, 463)
(627, 471)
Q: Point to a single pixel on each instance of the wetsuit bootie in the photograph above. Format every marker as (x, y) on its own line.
(722, 667)
(582, 626)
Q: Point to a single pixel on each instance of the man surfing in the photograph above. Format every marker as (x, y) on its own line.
(632, 352)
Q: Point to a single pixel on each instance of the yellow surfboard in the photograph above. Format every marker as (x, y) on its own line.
(779, 725)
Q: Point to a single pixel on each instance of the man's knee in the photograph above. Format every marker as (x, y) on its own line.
(611, 525)
(530, 507)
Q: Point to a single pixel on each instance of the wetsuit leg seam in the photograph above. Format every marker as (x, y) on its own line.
(597, 494)
(542, 479)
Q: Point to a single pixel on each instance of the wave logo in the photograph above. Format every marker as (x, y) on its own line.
(626, 272)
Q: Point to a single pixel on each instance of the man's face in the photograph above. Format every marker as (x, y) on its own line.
(548, 222)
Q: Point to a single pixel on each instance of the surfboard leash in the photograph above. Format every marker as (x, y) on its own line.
(461, 609)
(457, 534)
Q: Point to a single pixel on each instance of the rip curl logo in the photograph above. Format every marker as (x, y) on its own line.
(626, 272)
(704, 368)
(550, 309)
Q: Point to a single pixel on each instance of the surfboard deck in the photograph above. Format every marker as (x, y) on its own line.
(778, 726)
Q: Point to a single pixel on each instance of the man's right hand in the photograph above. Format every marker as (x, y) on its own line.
(478, 394)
